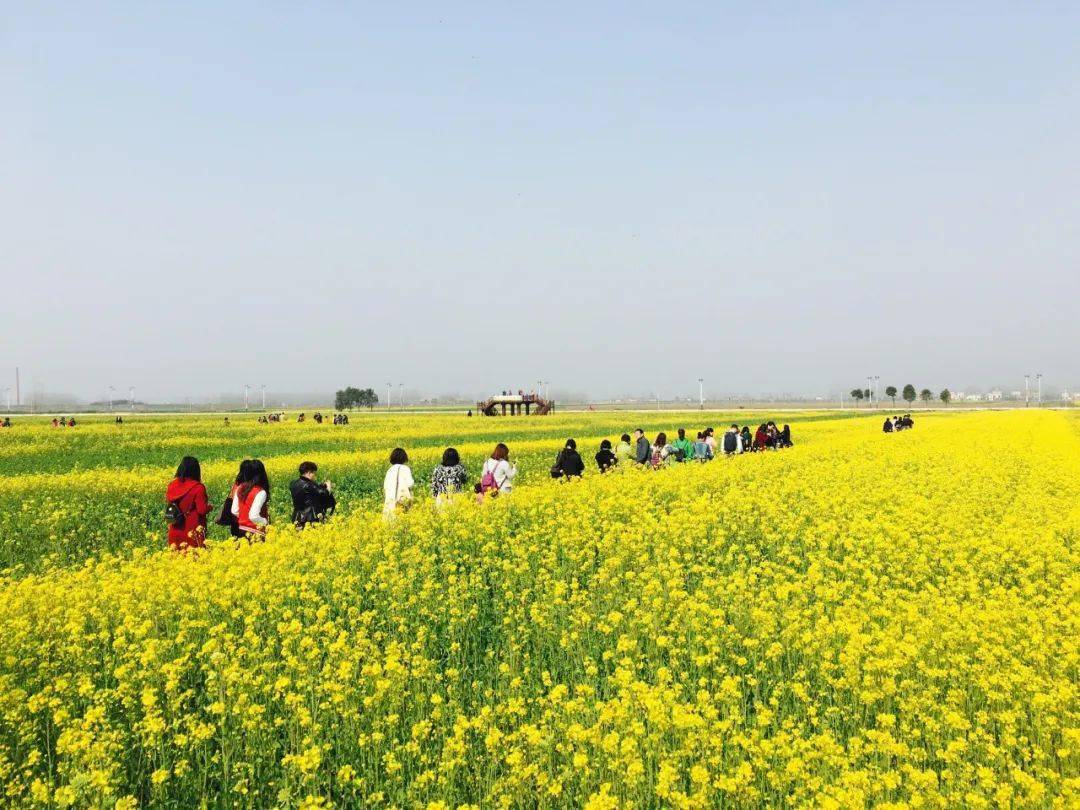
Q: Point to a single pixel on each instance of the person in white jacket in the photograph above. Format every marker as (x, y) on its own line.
(397, 485)
(498, 471)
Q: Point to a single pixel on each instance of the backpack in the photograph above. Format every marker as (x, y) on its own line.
(731, 442)
(174, 515)
(556, 468)
(487, 480)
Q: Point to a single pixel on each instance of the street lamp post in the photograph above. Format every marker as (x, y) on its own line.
(401, 395)
(1027, 390)
(264, 397)
(701, 393)
(247, 392)
(388, 397)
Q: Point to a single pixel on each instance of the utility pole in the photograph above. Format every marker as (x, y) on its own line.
(876, 381)
(1027, 390)
(247, 391)
(401, 395)
(701, 393)
(131, 398)
(1038, 378)
(870, 392)
(388, 397)
(264, 397)
(111, 392)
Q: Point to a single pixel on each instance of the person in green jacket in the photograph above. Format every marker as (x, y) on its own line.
(624, 451)
(684, 444)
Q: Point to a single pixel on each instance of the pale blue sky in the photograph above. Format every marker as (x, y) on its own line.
(620, 198)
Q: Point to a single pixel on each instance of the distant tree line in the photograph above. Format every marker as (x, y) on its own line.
(349, 398)
(909, 394)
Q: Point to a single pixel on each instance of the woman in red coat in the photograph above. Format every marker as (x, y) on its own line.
(761, 438)
(189, 494)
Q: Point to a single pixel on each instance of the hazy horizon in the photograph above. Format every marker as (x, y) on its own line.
(613, 198)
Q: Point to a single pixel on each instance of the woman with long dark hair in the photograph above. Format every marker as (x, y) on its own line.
(251, 500)
(188, 506)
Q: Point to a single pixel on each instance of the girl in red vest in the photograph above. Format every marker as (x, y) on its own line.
(189, 494)
(251, 501)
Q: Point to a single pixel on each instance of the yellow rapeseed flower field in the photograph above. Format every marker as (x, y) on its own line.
(865, 619)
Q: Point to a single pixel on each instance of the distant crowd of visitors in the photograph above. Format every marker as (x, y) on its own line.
(894, 424)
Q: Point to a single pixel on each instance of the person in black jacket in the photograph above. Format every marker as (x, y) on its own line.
(569, 463)
(312, 501)
(605, 459)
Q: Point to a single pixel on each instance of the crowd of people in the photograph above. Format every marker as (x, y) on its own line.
(317, 417)
(246, 511)
(63, 421)
(894, 424)
(6, 423)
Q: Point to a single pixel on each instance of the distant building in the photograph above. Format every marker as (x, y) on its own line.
(1016, 395)
(994, 396)
(973, 398)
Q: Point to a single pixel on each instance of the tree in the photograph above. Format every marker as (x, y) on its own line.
(347, 398)
(945, 396)
(909, 393)
(856, 394)
(866, 393)
(890, 392)
(367, 399)
(926, 395)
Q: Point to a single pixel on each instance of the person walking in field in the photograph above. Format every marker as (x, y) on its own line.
(732, 440)
(661, 451)
(642, 449)
(227, 518)
(188, 506)
(747, 440)
(682, 447)
(568, 464)
(497, 474)
(312, 502)
(605, 459)
(449, 477)
(397, 484)
(702, 450)
(251, 503)
(785, 437)
(624, 451)
(710, 439)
